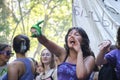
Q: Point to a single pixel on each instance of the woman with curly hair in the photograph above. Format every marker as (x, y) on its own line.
(76, 59)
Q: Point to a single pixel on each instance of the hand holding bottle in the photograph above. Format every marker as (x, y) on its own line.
(36, 29)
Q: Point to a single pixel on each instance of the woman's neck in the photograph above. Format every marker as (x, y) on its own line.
(72, 57)
(73, 54)
(47, 67)
(20, 55)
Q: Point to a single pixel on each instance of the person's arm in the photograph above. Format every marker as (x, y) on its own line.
(53, 48)
(104, 48)
(84, 66)
(13, 72)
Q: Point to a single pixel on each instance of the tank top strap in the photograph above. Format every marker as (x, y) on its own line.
(65, 57)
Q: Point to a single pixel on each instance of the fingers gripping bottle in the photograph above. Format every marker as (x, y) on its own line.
(36, 29)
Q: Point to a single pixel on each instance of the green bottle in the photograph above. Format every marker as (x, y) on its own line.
(37, 29)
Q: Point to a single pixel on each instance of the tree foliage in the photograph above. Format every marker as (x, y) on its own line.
(4, 23)
(19, 15)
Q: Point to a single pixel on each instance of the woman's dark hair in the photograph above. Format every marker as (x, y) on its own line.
(118, 38)
(112, 47)
(85, 41)
(18, 43)
(52, 63)
(3, 46)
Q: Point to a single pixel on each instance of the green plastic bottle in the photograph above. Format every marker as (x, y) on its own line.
(37, 29)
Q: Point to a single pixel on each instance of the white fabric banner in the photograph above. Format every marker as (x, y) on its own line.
(91, 16)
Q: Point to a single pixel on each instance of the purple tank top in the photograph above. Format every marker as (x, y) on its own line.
(67, 71)
(113, 57)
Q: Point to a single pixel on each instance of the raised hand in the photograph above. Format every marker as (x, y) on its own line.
(36, 29)
(77, 46)
(105, 46)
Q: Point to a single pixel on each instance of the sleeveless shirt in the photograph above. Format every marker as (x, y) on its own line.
(28, 75)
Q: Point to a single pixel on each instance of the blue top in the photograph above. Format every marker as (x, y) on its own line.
(67, 71)
(28, 75)
(113, 57)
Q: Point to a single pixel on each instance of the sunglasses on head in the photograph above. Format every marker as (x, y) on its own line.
(7, 53)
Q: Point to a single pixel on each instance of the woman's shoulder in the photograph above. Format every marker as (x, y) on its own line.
(16, 66)
(17, 63)
(89, 57)
(14, 63)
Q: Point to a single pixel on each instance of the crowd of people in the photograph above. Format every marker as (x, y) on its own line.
(74, 61)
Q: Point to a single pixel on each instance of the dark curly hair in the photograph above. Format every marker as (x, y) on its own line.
(17, 42)
(118, 38)
(85, 41)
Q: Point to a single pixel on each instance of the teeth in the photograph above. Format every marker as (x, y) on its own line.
(72, 43)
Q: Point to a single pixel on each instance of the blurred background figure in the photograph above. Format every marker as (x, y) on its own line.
(5, 54)
(112, 57)
(35, 66)
(39, 68)
(48, 65)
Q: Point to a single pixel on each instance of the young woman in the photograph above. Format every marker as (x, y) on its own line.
(22, 68)
(5, 54)
(112, 57)
(48, 64)
(76, 59)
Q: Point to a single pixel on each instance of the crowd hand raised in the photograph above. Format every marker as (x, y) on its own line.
(105, 45)
(36, 29)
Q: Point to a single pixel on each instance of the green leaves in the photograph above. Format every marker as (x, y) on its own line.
(19, 16)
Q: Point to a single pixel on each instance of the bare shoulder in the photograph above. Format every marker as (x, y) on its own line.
(12, 65)
(15, 65)
(89, 63)
(89, 58)
(12, 69)
(15, 69)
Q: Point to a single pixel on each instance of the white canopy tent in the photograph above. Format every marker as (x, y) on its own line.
(96, 20)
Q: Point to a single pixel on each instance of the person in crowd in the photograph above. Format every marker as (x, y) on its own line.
(35, 66)
(95, 74)
(22, 68)
(39, 68)
(107, 71)
(48, 65)
(111, 57)
(5, 54)
(76, 59)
